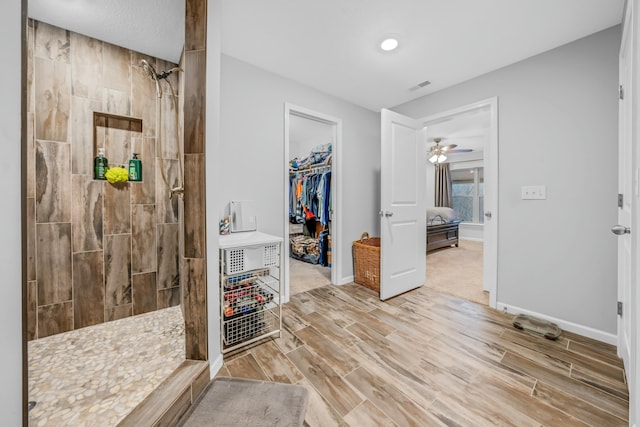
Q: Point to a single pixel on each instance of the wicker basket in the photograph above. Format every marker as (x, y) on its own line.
(366, 261)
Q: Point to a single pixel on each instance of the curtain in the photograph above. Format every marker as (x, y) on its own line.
(443, 185)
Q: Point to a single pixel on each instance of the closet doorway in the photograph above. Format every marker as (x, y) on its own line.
(312, 195)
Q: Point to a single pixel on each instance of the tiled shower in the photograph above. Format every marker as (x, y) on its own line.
(97, 252)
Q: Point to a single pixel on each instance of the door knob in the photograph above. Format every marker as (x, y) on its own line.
(619, 230)
(488, 214)
(388, 214)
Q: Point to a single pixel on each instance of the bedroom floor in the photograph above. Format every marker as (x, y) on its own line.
(458, 271)
(304, 276)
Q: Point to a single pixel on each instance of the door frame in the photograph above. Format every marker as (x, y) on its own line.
(490, 158)
(336, 192)
(632, 304)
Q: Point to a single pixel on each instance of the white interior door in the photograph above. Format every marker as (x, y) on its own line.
(403, 205)
(625, 190)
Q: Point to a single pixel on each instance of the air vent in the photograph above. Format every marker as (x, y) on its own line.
(420, 85)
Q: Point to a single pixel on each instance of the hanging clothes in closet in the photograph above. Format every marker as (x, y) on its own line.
(310, 204)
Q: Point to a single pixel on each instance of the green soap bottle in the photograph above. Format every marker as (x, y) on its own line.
(100, 165)
(135, 168)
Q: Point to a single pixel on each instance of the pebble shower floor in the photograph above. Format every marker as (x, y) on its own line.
(95, 376)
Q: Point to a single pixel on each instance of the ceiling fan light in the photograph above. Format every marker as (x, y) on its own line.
(433, 158)
(442, 158)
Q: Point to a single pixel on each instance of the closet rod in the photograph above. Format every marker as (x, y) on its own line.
(310, 170)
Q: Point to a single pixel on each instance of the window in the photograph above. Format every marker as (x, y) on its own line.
(467, 188)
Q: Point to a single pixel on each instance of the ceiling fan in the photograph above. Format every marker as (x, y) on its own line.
(437, 151)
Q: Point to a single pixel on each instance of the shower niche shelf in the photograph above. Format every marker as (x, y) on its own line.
(250, 289)
(113, 121)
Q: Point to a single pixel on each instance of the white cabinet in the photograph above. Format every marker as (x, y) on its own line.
(250, 288)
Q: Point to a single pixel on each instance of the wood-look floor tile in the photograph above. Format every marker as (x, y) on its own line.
(319, 412)
(292, 321)
(591, 351)
(392, 401)
(338, 295)
(303, 304)
(223, 372)
(332, 353)
(587, 364)
(462, 364)
(332, 331)
(607, 402)
(275, 364)
(595, 346)
(395, 321)
(337, 315)
(367, 414)
(246, 367)
(325, 380)
(604, 383)
(288, 341)
(452, 413)
(575, 407)
(511, 404)
(407, 379)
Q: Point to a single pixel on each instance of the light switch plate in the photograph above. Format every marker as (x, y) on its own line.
(534, 192)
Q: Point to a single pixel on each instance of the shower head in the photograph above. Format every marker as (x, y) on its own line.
(148, 68)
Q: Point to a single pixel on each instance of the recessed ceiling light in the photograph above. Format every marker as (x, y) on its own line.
(389, 44)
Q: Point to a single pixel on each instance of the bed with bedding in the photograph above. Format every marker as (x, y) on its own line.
(442, 228)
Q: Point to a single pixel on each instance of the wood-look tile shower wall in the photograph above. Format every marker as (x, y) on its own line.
(96, 252)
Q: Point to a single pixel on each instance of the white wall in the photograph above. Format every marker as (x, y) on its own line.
(10, 216)
(557, 111)
(252, 149)
(305, 134)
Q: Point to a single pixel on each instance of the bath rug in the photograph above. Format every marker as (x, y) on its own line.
(233, 402)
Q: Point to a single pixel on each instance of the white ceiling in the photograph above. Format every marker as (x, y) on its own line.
(153, 27)
(333, 45)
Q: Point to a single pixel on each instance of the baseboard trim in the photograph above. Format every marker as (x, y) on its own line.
(472, 239)
(215, 366)
(586, 331)
(345, 280)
